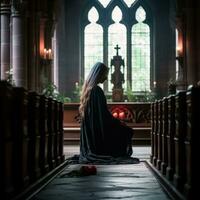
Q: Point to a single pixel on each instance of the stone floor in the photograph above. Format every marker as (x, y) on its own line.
(127, 182)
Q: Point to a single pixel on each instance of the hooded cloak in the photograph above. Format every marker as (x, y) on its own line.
(103, 138)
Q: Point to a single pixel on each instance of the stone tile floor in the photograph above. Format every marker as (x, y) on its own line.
(112, 182)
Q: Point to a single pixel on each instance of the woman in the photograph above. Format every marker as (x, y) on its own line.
(104, 139)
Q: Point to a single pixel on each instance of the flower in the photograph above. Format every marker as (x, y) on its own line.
(88, 170)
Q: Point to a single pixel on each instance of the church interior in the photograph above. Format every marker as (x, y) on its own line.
(47, 49)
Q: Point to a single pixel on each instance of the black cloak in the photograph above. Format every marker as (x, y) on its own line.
(103, 138)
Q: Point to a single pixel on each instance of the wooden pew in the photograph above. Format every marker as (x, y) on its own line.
(170, 137)
(51, 134)
(180, 143)
(159, 134)
(31, 139)
(43, 157)
(6, 141)
(21, 138)
(192, 143)
(152, 131)
(180, 134)
(164, 136)
(56, 132)
(61, 130)
(155, 134)
(34, 136)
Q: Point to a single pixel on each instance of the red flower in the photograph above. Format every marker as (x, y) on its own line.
(88, 170)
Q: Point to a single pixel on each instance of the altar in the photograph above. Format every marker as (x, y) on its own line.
(135, 115)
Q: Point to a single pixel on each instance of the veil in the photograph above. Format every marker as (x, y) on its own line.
(95, 74)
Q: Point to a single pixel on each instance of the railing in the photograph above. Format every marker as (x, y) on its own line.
(31, 138)
(176, 141)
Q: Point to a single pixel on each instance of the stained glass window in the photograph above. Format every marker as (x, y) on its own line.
(93, 39)
(140, 53)
(104, 32)
(116, 36)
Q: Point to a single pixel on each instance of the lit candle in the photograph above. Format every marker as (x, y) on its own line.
(154, 84)
(45, 53)
(115, 114)
(121, 115)
(50, 53)
(76, 84)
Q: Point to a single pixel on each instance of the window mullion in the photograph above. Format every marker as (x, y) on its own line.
(129, 54)
(105, 52)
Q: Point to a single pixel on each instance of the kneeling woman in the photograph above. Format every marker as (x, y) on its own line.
(103, 138)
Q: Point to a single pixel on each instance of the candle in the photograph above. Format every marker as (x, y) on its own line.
(121, 115)
(115, 114)
(45, 53)
(49, 53)
(154, 84)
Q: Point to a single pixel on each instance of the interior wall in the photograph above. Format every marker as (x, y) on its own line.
(165, 46)
(188, 11)
(192, 41)
(68, 42)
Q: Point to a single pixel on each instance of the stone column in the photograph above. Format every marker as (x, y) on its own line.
(31, 57)
(18, 47)
(5, 40)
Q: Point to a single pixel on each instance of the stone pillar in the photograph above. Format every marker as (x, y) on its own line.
(5, 40)
(18, 48)
(31, 51)
(164, 46)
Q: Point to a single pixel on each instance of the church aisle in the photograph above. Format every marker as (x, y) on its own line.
(127, 182)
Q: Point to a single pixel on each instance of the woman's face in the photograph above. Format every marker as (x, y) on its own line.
(104, 76)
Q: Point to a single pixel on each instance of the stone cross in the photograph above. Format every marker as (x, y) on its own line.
(117, 49)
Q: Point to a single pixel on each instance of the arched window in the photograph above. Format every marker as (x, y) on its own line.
(93, 42)
(116, 36)
(128, 24)
(140, 53)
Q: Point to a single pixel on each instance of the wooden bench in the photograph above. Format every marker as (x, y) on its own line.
(31, 139)
(175, 142)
